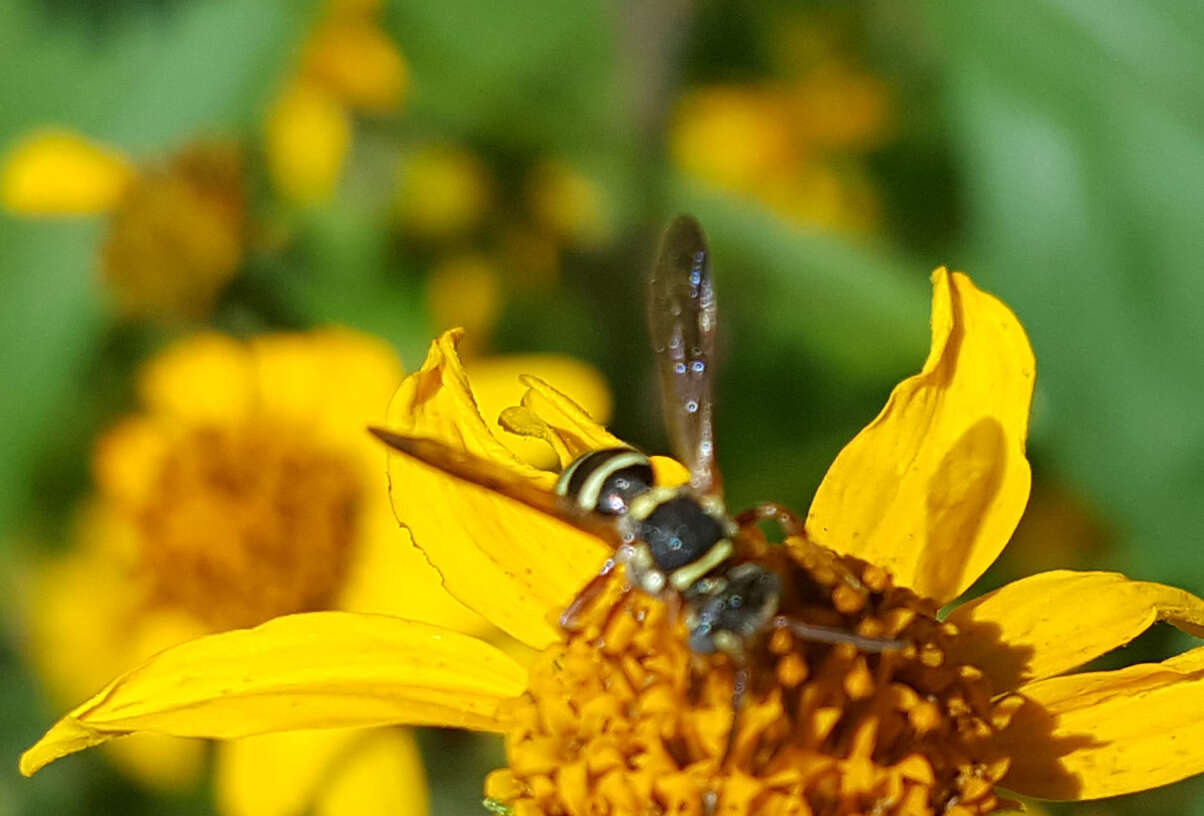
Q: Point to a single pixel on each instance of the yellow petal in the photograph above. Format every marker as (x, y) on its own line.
(1098, 734)
(307, 137)
(159, 762)
(57, 172)
(499, 383)
(571, 422)
(934, 486)
(515, 566)
(391, 576)
(383, 776)
(207, 378)
(248, 771)
(357, 62)
(333, 383)
(669, 472)
(85, 620)
(1052, 622)
(128, 457)
(315, 670)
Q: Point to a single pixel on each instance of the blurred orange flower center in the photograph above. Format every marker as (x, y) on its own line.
(177, 235)
(244, 524)
(624, 718)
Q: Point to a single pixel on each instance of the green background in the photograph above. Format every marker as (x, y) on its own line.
(1054, 149)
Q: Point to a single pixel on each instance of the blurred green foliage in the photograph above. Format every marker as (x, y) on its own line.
(1052, 148)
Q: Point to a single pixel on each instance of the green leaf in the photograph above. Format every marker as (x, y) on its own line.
(49, 322)
(528, 72)
(853, 305)
(1082, 139)
(145, 80)
(348, 278)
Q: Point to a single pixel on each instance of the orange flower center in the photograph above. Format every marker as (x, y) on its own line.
(623, 718)
(246, 524)
(177, 236)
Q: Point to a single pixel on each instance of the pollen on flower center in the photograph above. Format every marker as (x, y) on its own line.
(244, 524)
(623, 718)
(177, 235)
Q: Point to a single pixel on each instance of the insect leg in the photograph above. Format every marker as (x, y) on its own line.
(569, 618)
(739, 691)
(794, 527)
(621, 605)
(789, 523)
(828, 634)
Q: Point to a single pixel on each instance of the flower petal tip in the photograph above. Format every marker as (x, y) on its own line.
(67, 736)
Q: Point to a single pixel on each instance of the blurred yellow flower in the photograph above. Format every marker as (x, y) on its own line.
(465, 290)
(177, 230)
(307, 135)
(348, 64)
(243, 491)
(57, 172)
(443, 192)
(568, 203)
(789, 145)
(615, 717)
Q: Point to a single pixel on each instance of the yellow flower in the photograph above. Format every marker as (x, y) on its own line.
(616, 718)
(465, 290)
(788, 145)
(568, 203)
(177, 230)
(244, 490)
(443, 191)
(348, 65)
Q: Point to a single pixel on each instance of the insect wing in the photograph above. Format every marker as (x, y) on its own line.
(475, 470)
(682, 316)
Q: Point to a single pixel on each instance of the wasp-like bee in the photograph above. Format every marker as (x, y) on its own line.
(677, 544)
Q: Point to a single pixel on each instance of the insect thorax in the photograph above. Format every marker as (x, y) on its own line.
(676, 538)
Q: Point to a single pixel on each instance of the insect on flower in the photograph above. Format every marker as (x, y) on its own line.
(677, 544)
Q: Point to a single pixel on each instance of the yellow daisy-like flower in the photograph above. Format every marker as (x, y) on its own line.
(177, 230)
(616, 718)
(790, 145)
(244, 490)
(443, 191)
(349, 64)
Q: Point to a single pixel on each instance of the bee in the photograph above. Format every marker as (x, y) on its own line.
(677, 544)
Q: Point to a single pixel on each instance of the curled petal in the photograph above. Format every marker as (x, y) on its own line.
(933, 487)
(1097, 734)
(315, 670)
(577, 431)
(1052, 622)
(513, 565)
(500, 384)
